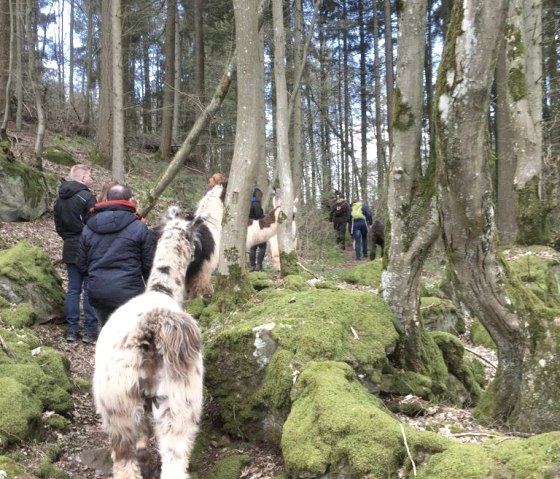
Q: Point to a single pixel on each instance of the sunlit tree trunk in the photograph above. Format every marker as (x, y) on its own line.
(19, 62)
(88, 63)
(8, 84)
(71, 57)
(298, 150)
(104, 140)
(411, 196)
(286, 241)
(389, 75)
(5, 59)
(381, 205)
(232, 248)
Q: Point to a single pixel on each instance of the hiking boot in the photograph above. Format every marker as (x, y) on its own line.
(71, 337)
(88, 340)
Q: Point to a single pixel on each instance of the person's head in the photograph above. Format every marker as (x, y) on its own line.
(105, 188)
(216, 179)
(82, 174)
(119, 192)
(257, 194)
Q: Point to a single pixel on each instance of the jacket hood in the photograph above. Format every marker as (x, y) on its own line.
(112, 216)
(70, 188)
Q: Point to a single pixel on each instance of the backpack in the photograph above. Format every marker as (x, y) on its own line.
(357, 213)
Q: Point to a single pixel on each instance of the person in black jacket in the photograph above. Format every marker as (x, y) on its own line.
(258, 251)
(116, 251)
(340, 213)
(70, 212)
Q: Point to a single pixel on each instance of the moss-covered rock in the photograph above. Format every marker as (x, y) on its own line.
(337, 428)
(252, 356)
(229, 467)
(18, 315)
(20, 412)
(27, 275)
(479, 336)
(536, 458)
(13, 469)
(58, 155)
(441, 315)
(367, 273)
(25, 193)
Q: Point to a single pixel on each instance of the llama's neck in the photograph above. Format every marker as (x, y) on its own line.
(173, 255)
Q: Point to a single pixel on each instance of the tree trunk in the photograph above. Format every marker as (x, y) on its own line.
(88, 64)
(34, 79)
(411, 197)
(118, 93)
(232, 248)
(286, 241)
(104, 140)
(522, 393)
(381, 206)
(8, 84)
(167, 111)
(5, 40)
(147, 100)
(389, 75)
(71, 99)
(177, 83)
(299, 61)
(19, 62)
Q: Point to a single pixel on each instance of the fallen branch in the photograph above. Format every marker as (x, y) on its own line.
(478, 355)
(408, 450)
(5, 348)
(307, 271)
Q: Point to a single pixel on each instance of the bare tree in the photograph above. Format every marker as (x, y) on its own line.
(118, 94)
(167, 113)
(10, 31)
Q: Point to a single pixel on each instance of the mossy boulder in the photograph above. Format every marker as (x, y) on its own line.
(13, 469)
(336, 429)
(537, 458)
(229, 467)
(441, 315)
(25, 193)
(367, 273)
(27, 275)
(58, 155)
(479, 336)
(20, 413)
(252, 357)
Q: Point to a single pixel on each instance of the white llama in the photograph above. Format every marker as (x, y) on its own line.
(205, 257)
(148, 355)
(266, 229)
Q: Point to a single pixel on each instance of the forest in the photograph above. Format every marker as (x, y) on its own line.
(443, 116)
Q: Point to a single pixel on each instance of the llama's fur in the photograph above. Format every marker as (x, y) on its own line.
(148, 356)
(266, 229)
(206, 252)
(376, 236)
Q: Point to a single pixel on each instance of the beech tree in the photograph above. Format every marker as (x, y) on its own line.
(528, 376)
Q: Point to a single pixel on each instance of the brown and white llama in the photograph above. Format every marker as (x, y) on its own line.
(266, 229)
(149, 356)
(206, 254)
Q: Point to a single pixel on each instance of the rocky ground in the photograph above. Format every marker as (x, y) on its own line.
(85, 448)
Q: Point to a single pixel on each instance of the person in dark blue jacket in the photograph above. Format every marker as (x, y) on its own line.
(116, 251)
(70, 213)
(360, 219)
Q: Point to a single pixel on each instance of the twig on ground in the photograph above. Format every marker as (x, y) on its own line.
(487, 361)
(308, 271)
(408, 450)
(5, 348)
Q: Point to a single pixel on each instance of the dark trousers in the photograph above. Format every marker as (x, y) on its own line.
(340, 234)
(102, 314)
(256, 256)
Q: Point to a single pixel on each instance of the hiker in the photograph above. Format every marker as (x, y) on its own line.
(360, 219)
(70, 212)
(340, 213)
(258, 251)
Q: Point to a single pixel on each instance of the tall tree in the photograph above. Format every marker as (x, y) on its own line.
(104, 139)
(528, 375)
(4, 52)
(118, 93)
(6, 111)
(286, 241)
(245, 156)
(411, 196)
(167, 112)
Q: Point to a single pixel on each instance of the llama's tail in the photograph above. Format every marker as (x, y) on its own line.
(172, 337)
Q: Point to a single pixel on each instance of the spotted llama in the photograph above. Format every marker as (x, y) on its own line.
(149, 357)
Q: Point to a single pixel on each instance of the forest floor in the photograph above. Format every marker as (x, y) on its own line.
(84, 447)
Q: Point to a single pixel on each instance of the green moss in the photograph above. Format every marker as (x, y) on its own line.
(19, 315)
(441, 315)
(195, 306)
(57, 422)
(534, 228)
(232, 290)
(81, 383)
(517, 83)
(288, 263)
(20, 413)
(303, 326)
(403, 383)
(295, 283)
(46, 470)
(335, 422)
(25, 264)
(403, 117)
(464, 461)
(229, 467)
(367, 273)
(13, 469)
(479, 336)
(58, 155)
